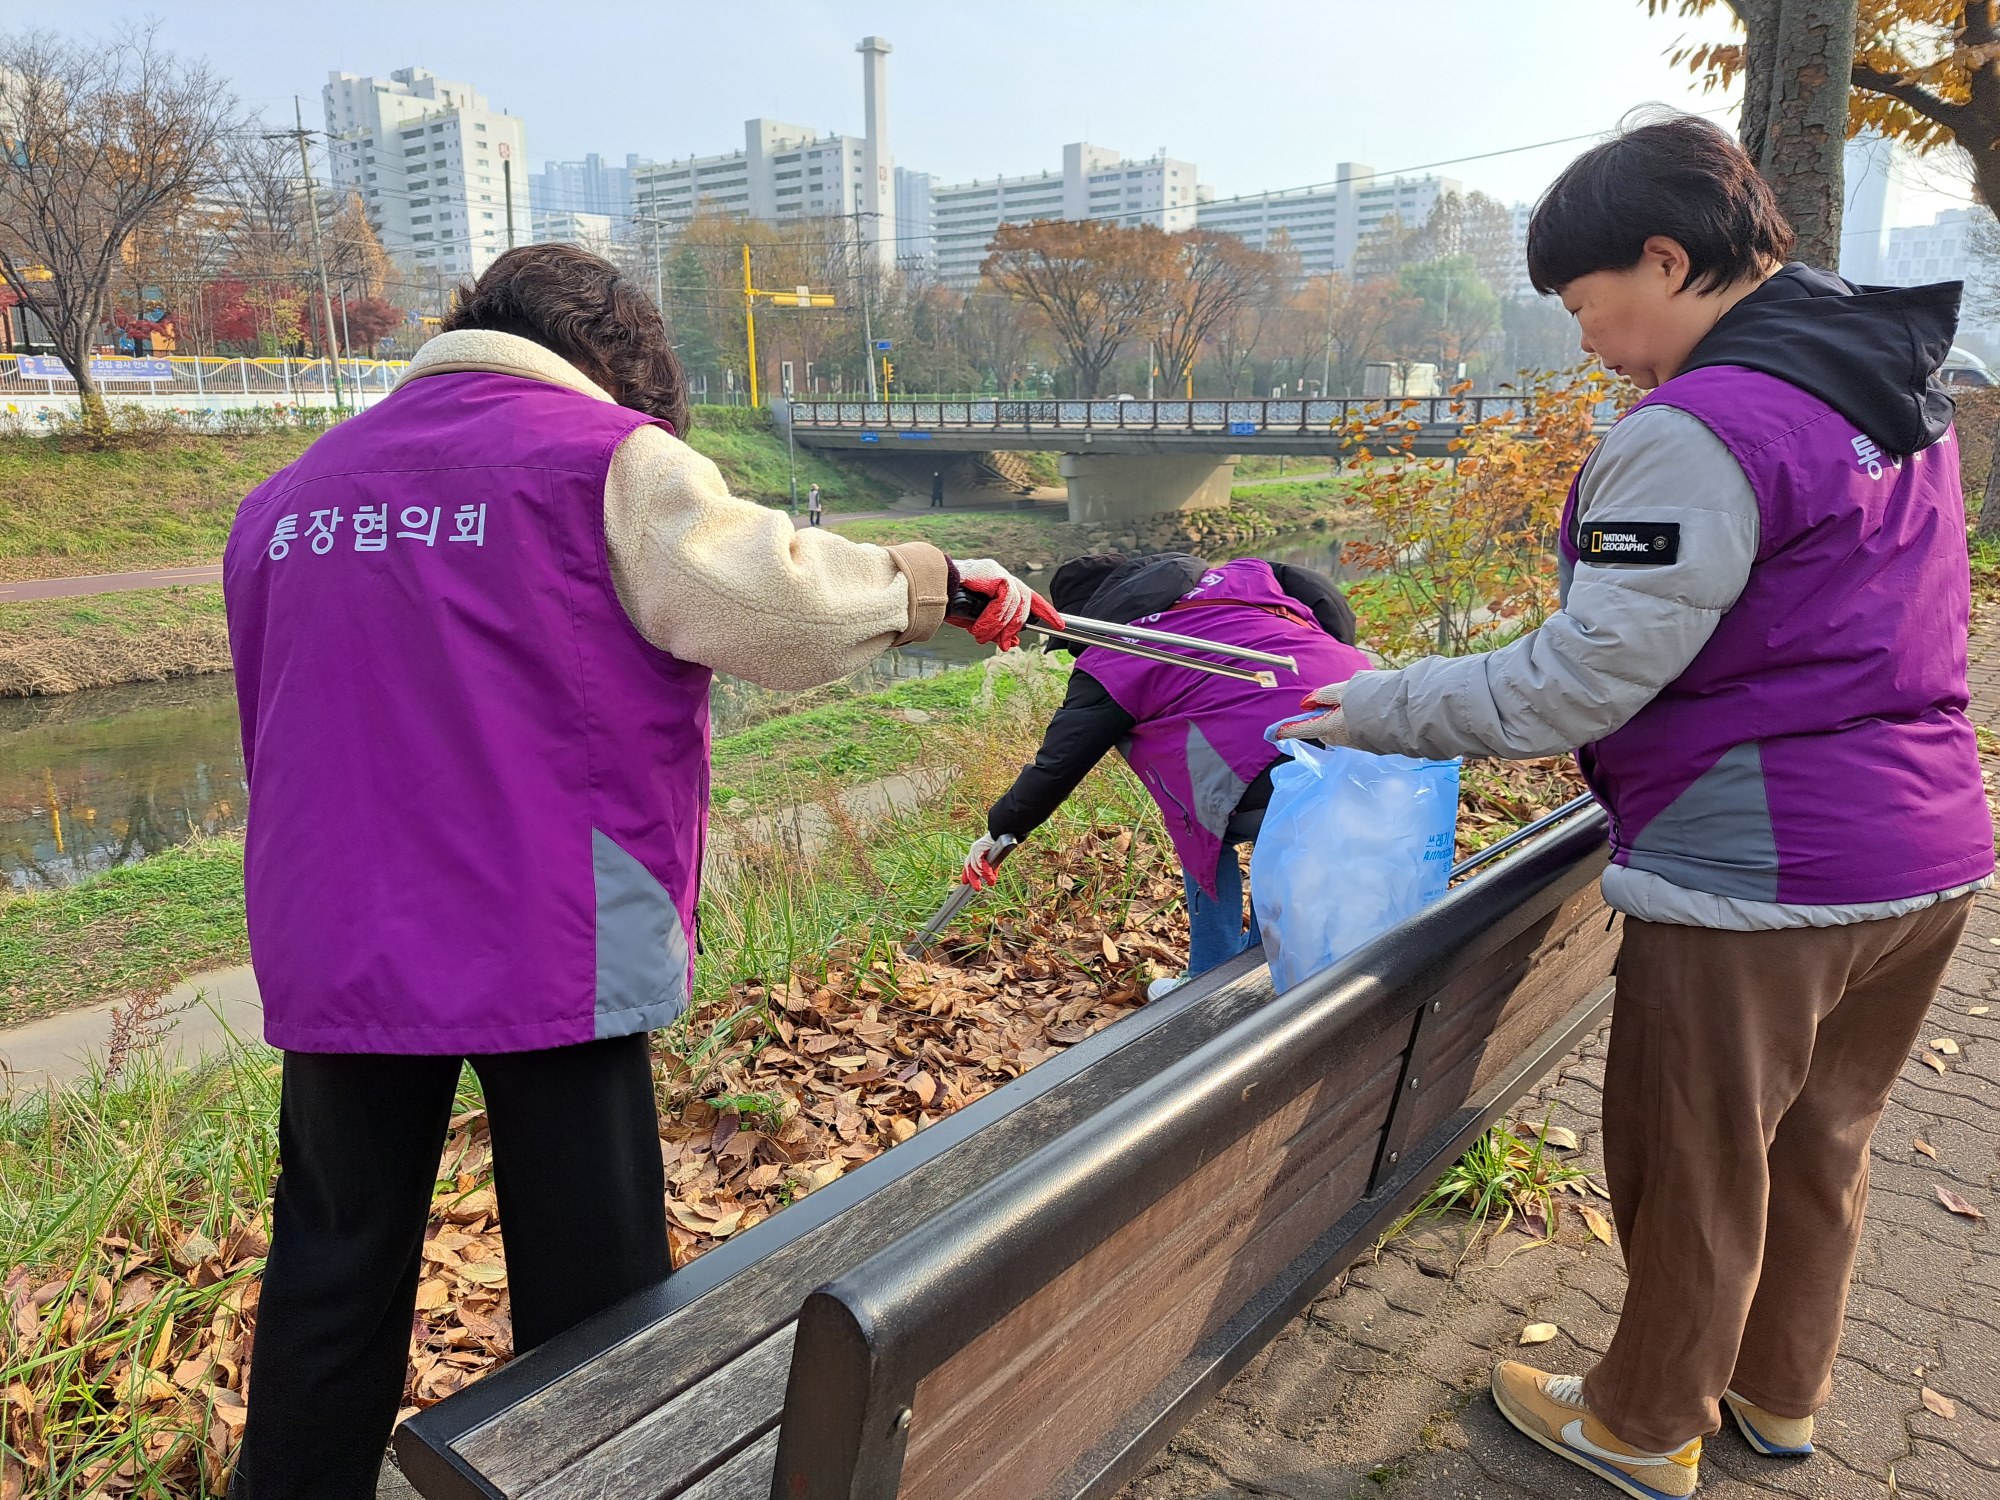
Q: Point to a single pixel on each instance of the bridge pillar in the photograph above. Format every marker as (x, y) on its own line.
(1123, 486)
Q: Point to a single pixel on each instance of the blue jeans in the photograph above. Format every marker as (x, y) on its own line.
(1215, 923)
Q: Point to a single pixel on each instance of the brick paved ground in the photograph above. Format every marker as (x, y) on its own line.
(1379, 1389)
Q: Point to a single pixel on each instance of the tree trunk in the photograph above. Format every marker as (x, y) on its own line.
(96, 415)
(1797, 62)
(1988, 528)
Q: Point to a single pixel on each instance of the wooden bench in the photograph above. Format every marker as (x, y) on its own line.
(1153, 1205)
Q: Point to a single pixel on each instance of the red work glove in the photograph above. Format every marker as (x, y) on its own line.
(1330, 728)
(993, 605)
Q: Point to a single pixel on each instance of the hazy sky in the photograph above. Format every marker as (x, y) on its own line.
(1257, 93)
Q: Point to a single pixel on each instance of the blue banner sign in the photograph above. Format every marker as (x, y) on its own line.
(46, 367)
(1242, 429)
(871, 437)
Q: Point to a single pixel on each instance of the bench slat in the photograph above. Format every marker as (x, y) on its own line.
(616, 1375)
(745, 1477)
(670, 1447)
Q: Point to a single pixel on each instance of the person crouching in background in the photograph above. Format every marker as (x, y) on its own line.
(1195, 740)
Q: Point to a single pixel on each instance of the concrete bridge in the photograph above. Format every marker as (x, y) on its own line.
(1134, 458)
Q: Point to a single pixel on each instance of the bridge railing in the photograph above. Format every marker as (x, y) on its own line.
(1227, 418)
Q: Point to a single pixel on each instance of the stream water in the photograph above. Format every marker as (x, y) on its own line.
(101, 778)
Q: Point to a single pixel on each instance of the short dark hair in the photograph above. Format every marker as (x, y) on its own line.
(1681, 177)
(577, 305)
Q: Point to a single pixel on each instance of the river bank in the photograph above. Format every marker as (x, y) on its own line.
(65, 645)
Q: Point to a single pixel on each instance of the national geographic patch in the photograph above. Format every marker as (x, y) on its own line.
(1649, 543)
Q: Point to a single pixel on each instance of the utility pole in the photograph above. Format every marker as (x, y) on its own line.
(319, 250)
(507, 180)
(1326, 361)
(867, 328)
(346, 340)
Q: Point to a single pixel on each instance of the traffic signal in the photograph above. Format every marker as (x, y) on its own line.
(888, 370)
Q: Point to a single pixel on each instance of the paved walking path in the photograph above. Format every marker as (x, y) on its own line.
(108, 583)
(1379, 1389)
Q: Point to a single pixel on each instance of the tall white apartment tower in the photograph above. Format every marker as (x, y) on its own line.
(878, 189)
(433, 165)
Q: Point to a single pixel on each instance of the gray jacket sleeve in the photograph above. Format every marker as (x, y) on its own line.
(1624, 631)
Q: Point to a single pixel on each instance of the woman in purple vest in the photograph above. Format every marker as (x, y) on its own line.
(1761, 660)
(473, 630)
(1194, 740)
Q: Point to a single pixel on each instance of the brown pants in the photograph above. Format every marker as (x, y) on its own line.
(1746, 1073)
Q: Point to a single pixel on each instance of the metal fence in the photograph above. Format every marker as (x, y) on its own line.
(1227, 418)
(278, 381)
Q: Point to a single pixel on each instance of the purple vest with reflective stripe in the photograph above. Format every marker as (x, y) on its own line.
(1199, 741)
(478, 796)
(1816, 750)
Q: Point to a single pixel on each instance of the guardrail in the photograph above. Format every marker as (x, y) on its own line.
(1221, 418)
(1024, 1301)
(200, 377)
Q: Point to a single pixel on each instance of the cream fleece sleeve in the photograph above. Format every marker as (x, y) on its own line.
(734, 586)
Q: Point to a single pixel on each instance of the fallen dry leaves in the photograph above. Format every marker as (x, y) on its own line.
(804, 1082)
(1957, 1204)
(1942, 1406)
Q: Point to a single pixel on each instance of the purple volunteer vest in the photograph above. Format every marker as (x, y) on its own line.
(478, 797)
(1199, 740)
(1816, 751)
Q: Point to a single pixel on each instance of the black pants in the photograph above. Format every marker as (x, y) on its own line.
(576, 1166)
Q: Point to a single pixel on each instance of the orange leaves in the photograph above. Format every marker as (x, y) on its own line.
(1463, 545)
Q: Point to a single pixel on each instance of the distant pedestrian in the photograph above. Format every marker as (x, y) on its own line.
(813, 505)
(937, 490)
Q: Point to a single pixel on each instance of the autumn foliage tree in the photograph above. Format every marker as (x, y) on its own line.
(1213, 277)
(1924, 72)
(1462, 548)
(1097, 285)
(98, 139)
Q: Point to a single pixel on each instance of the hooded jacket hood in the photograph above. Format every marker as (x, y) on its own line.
(1871, 353)
(1144, 586)
(1136, 587)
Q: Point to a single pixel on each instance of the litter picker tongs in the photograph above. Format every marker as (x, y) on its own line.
(1134, 640)
(917, 946)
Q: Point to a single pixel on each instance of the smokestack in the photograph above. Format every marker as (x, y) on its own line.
(878, 187)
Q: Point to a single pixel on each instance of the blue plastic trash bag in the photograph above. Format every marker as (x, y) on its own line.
(1352, 843)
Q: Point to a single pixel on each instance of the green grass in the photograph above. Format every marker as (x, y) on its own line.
(1015, 538)
(1305, 498)
(753, 460)
(137, 612)
(851, 739)
(137, 929)
(1503, 1175)
(1985, 568)
(162, 505)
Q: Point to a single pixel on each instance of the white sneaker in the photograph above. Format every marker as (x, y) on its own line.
(1160, 988)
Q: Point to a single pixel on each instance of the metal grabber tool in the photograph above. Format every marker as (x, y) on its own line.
(1135, 640)
(917, 946)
